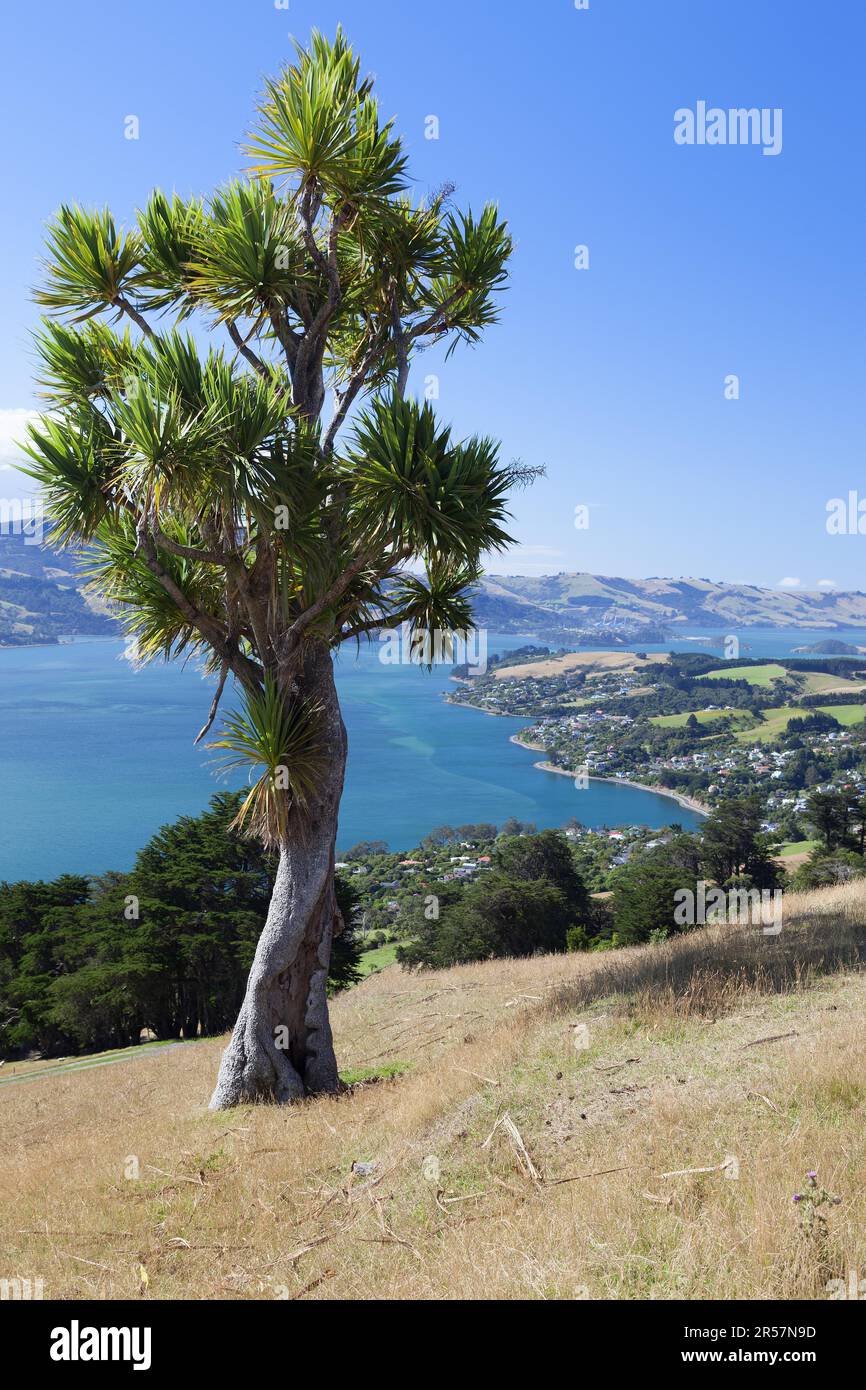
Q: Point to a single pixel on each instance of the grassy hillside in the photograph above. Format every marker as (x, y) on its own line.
(630, 1125)
(591, 663)
(777, 720)
(703, 716)
(755, 675)
(763, 676)
(41, 596)
(554, 607)
(570, 601)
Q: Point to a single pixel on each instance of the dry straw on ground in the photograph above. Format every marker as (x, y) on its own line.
(626, 1125)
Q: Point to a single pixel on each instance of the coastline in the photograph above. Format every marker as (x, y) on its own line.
(688, 802)
(494, 713)
(67, 640)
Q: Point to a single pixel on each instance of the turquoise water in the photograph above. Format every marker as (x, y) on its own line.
(97, 756)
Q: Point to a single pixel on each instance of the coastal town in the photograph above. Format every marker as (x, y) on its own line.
(692, 725)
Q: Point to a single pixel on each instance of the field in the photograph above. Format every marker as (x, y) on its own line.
(624, 1125)
(703, 716)
(377, 959)
(794, 853)
(755, 675)
(847, 715)
(814, 682)
(795, 849)
(776, 721)
(593, 663)
(819, 683)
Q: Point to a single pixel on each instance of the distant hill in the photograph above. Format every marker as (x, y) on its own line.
(41, 598)
(830, 647)
(566, 605)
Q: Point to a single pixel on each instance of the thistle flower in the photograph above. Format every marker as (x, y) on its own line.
(811, 1219)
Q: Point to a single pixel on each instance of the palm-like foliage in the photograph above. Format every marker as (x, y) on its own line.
(222, 516)
(430, 494)
(156, 626)
(91, 265)
(282, 739)
(320, 123)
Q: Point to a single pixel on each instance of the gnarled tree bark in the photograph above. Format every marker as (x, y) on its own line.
(281, 1047)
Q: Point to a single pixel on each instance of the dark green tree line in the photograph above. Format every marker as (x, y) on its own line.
(87, 964)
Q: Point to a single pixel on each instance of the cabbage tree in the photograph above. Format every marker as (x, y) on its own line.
(228, 434)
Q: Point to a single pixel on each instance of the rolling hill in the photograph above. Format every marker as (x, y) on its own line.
(620, 1125)
(568, 604)
(41, 599)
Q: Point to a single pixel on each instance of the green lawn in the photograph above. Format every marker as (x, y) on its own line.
(776, 721)
(389, 1071)
(377, 959)
(703, 716)
(818, 682)
(796, 847)
(85, 1061)
(755, 675)
(847, 715)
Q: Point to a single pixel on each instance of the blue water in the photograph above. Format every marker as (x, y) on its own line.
(758, 642)
(96, 756)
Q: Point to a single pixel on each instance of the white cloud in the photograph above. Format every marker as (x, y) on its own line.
(526, 559)
(541, 550)
(827, 584)
(13, 429)
(788, 583)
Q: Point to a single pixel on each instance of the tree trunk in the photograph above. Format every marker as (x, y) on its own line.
(281, 1048)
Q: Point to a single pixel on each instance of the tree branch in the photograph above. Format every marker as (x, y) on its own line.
(348, 396)
(328, 598)
(359, 629)
(400, 347)
(289, 341)
(436, 322)
(224, 670)
(314, 335)
(242, 345)
(124, 305)
(237, 571)
(189, 552)
(248, 672)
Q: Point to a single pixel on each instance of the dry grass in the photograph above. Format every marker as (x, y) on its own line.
(613, 1071)
(593, 663)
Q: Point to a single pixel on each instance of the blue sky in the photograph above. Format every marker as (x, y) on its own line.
(704, 262)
